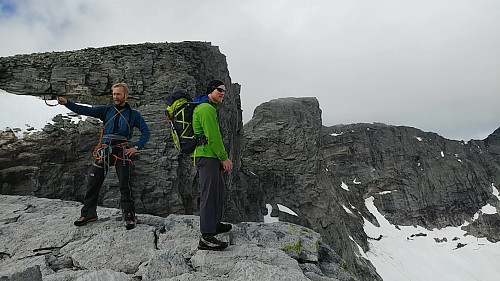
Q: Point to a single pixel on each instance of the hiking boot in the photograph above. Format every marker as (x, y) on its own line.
(222, 228)
(129, 221)
(209, 242)
(84, 220)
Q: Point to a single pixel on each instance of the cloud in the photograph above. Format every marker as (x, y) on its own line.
(428, 64)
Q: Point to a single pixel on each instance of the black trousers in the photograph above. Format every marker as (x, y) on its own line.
(96, 178)
(212, 193)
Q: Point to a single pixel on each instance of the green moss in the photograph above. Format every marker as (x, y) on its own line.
(297, 247)
(36, 86)
(344, 269)
(347, 271)
(104, 97)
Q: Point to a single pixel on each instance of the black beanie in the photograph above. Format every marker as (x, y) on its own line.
(212, 85)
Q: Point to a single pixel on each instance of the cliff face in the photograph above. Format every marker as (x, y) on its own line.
(325, 174)
(417, 178)
(54, 163)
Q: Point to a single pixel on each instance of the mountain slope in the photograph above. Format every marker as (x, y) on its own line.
(325, 174)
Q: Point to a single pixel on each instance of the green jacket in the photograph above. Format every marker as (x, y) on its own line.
(205, 122)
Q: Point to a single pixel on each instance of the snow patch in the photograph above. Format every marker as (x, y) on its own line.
(267, 217)
(386, 192)
(359, 248)
(281, 208)
(495, 191)
(441, 254)
(286, 210)
(488, 209)
(344, 186)
(31, 113)
(336, 134)
(347, 210)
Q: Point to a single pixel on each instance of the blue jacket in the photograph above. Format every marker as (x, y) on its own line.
(106, 112)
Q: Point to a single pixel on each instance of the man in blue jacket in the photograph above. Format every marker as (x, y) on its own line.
(114, 149)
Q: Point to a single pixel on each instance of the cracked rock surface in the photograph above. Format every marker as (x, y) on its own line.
(38, 241)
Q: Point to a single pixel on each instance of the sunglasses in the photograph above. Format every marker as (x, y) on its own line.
(220, 90)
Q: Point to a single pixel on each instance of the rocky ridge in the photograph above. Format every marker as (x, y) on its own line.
(38, 241)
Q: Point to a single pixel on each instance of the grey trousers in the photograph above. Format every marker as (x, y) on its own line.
(212, 193)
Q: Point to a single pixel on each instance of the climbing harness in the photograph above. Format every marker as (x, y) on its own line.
(102, 152)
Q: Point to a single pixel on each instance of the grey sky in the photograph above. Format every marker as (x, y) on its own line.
(434, 65)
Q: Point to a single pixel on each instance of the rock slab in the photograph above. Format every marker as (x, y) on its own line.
(38, 241)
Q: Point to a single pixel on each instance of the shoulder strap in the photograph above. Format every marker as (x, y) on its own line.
(113, 117)
(106, 112)
(119, 113)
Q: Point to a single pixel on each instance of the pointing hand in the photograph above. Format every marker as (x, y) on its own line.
(62, 100)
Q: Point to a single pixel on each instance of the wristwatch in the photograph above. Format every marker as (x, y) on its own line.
(136, 147)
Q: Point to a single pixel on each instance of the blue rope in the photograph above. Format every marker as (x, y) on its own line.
(106, 170)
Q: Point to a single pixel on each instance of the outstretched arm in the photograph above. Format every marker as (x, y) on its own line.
(97, 112)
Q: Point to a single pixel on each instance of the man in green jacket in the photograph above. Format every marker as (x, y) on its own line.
(211, 160)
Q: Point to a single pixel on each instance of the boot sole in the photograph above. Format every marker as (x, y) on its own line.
(82, 223)
(200, 247)
(130, 226)
(203, 246)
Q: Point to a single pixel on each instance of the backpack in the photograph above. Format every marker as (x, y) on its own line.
(179, 112)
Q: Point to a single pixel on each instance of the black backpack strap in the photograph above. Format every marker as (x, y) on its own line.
(201, 140)
(106, 113)
(129, 127)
